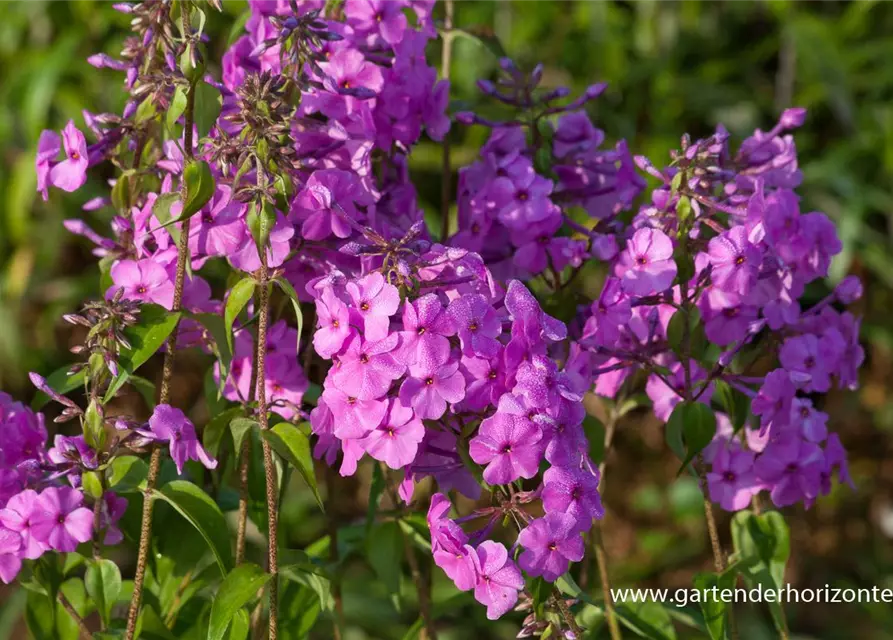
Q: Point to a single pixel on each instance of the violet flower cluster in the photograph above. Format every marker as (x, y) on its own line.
(42, 504)
(432, 364)
(724, 234)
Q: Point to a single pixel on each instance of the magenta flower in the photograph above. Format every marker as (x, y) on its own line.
(572, 491)
(350, 79)
(19, 515)
(499, 580)
(648, 263)
(736, 262)
(731, 481)
(333, 324)
(449, 545)
(813, 424)
(550, 544)
(59, 520)
(169, 424)
(509, 446)
(384, 16)
(374, 301)
(476, 323)
(143, 280)
(542, 384)
(610, 313)
(484, 381)
(396, 440)
(366, 369)
(425, 330)
(220, 229)
(354, 418)
(10, 555)
(431, 385)
(774, 399)
(792, 467)
(327, 204)
(806, 361)
(48, 147)
(71, 173)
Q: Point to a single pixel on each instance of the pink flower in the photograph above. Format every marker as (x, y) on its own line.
(333, 324)
(143, 280)
(431, 386)
(169, 424)
(10, 558)
(396, 440)
(19, 515)
(374, 301)
(366, 369)
(71, 173)
(499, 580)
(476, 323)
(48, 147)
(425, 330)
(550, 544)
(60, 521)
(648, 263)
(509, 446)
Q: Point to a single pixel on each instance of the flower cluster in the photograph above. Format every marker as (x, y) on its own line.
(723, 254)
(442, 366)
(39, 512)
(515, 202)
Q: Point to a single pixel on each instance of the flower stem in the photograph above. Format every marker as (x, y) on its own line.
(166, 375)
(244, 460)
(568, 615)
(446, 171)
(83, 630)
(269, 467)
(332, 522)
(601, 556)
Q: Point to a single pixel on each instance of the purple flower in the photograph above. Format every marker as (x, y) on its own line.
(792, 468)
(804, 358)
(648, 263)
(366, 369)
(731, 480)
(484, 381)
(774, 399)
(10, 555)
(509, 446)
(736, 262)
(59, 521)
(610, 313)
(574, 492)
(219, 230)
(333, 324)
(71, 173)
(530, 201)
(425, 330)
(431, 385)
(499, 580)
(383, 16)
(169, 424)
(475, 321)
(731, 324)
(48, 147)
(143, 280)
(449, 545)
(542, 384)
(550, 544)
(374, 301)
(396, 440)
(355, 418)
(20, 515)
(812, 423)
(327, 204)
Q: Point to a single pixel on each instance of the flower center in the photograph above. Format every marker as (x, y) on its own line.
(804, 412)
(506, 448)
(522, 196)
(809, 363)
(740, 260)
(336, 324)
(364, 306)
(553, 546)
(364, 358)
(473, 326)
(141, 289)
(421, 331)
(791, 468)
(642, 260)
(61, 518)
(429, 381)
(345, 84)
(729, 476)
(75, 155)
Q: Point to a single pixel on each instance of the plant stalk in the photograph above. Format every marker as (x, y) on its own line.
(446, 170)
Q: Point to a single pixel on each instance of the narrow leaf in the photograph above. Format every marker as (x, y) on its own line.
(239, 296)
(289, 290)
(294, 446)
(238, 589)
(103, 582)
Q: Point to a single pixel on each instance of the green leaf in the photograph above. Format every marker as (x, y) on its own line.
(176, 109)
(128, 474)
(238, 297)
(715, 611)
(375, 490)
(260, 223)
(212, 434)
(308, 574)
(695, 422)
(239, 427)
(240, 626)
(215, 325)
(91, 484)
(146, 338)
(289, 290)
(762, 546)
(200, 187)
(595, 434)
(384, 548)
(61, 382)
(735, 403)
(238, 589)
(649, 619)
(294, 446)
(676, 332)
(103, 582)
(94, 427)
(207, 107)
(203, 513)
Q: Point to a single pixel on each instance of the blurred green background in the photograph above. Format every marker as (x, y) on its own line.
(672, 68)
